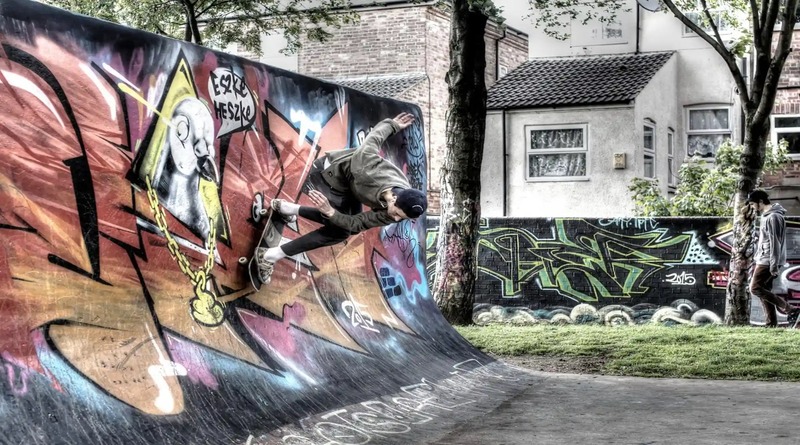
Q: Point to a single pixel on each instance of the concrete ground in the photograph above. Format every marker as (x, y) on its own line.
(596, 409)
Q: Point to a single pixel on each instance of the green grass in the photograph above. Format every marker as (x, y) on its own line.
(712, 352)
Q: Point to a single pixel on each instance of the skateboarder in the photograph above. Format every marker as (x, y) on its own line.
(770, 257)
(339, 184)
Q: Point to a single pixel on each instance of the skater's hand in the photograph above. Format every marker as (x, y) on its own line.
(321, 203)
(404, 120)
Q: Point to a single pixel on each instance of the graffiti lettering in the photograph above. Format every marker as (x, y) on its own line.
(394, 415)
(584, 268)
(17, 382)
(357, 317)
(682, 279)
(234, 103)
(403, 235)
(644, 224)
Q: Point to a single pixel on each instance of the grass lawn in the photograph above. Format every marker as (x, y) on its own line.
(712, 352)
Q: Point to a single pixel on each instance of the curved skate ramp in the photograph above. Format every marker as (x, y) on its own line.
(132, 176)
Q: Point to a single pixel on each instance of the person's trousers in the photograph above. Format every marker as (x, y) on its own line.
(761, 287)
(329, 234)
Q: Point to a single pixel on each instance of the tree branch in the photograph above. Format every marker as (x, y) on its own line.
(213, 5)
(727, 57)
(713, 24)
(764, 57)
(778, 60)
(756, 22)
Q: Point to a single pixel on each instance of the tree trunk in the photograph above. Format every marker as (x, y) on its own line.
(737, 307)
(192, 29)
(456, 265)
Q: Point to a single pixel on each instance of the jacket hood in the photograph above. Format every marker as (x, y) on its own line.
(776, 208)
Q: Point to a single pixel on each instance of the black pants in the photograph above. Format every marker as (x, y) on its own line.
(761, 287)
(329, 234)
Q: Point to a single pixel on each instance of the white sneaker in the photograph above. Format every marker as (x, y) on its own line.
(276, 206)
(265, 267)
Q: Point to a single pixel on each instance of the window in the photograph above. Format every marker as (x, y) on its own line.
(700, 20)
(649, 146)
(671, 173)
(788, 129)
(707, 129)
(556, 152)
(596, 32)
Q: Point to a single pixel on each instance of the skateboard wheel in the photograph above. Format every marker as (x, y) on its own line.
(242, 259)
(262, 212)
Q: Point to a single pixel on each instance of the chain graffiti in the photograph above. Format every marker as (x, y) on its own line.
(205, 309)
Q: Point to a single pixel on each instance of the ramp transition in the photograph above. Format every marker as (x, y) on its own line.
(126, 315)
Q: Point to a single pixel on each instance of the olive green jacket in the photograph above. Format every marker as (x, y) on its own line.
(363, 173)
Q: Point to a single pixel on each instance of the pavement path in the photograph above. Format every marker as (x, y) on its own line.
(594, 409)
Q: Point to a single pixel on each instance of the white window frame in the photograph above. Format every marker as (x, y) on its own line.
(690, 132)
(649, 151)
(775, 131)
(671, 173)
(717, 14)
(546, 151)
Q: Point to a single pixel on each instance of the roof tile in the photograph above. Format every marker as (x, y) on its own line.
(385, 86)
(544, 82)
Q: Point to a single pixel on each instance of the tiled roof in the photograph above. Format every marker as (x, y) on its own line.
(385, 86)
(576, 80)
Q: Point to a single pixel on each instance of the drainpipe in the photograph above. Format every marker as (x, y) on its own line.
(505, 166)
(503, 116)
(638, 25)
(497, 55)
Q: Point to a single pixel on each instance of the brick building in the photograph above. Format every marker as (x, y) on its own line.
(786, 125)
(401, 50)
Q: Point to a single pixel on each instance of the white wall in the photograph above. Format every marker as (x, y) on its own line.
(659, 102)
(603, 194)
(703, 77)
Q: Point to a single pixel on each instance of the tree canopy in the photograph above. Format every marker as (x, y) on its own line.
(703, 189)
(219, 23)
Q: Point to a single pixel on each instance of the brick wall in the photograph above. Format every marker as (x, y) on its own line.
(410, 39)
(638, 266)
(384, 41)
(787, 101)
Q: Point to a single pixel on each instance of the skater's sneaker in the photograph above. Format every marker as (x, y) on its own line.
(276, 206)
(264, 267)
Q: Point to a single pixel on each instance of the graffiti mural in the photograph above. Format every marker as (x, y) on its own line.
(631, 270)
(134, 174)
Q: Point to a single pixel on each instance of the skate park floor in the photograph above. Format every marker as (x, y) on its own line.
(559, 408)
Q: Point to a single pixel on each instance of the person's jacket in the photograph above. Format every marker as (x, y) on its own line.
(771, 250)
(363, 173)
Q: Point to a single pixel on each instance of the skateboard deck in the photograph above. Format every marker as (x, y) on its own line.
(270, 237)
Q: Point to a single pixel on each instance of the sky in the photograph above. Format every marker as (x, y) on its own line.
(514, 11)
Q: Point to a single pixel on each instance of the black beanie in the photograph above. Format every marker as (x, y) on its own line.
(411, 201)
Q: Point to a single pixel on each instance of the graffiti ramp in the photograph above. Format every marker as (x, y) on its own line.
(134, 173)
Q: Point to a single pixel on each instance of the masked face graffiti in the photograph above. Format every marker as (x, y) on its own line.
(179, 157)
(191, 141)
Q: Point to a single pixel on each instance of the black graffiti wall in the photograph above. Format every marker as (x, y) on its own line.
(620, 270)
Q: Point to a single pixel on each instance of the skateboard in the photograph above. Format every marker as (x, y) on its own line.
(270, 237)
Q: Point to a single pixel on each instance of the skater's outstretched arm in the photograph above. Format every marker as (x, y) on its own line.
(353, 223)
(369, 149)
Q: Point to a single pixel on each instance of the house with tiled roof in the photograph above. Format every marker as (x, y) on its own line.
(571, 128)
(400, 49)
